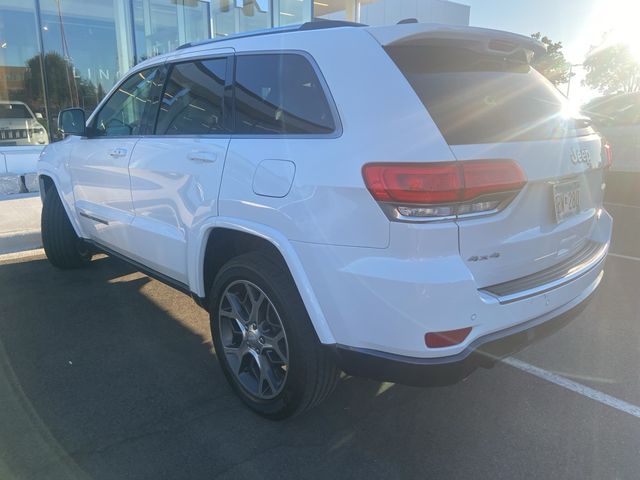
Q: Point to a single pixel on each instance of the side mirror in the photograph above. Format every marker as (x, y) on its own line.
(39, 116)
(72, 121)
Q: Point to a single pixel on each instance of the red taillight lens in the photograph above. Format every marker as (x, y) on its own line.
(485, 177)
(413, 183)
(607, 153)
(446, 339)
(437, 183)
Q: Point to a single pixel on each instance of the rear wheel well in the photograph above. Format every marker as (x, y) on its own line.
(224, 244)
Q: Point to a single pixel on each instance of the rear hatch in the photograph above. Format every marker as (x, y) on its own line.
(490, 104)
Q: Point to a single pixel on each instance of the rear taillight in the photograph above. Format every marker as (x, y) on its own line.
(427, 191)
(607, 154)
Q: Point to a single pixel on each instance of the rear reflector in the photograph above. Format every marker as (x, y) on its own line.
(437, 183)
(446, 339)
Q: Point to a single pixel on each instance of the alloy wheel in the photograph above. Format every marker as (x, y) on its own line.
(253, 340)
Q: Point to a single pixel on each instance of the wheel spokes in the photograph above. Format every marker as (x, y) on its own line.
(277, 344)
(235, 308)
(253, 338)
(266, 377)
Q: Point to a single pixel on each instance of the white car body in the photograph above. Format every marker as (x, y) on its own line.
(370, 284)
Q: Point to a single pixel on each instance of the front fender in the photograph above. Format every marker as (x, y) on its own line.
(197, 248)
(52, 164)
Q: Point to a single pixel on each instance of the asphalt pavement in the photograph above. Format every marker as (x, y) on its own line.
(107, 374)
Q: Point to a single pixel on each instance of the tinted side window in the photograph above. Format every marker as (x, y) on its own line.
(193, 101)
(277, 94)
(122, 115)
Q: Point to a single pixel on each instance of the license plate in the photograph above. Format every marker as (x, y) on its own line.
(566, 198)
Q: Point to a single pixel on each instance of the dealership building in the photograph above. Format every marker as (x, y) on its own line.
(60, 53)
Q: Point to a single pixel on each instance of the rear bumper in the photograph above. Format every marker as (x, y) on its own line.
(483, 352)
(383, 302)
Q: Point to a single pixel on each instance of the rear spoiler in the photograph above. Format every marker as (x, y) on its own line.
(482, 40)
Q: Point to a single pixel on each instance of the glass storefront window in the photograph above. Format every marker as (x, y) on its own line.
(22, 100)
(290, 12)
(86, 50)
(163, 25)
(338, 9)
(233, 16)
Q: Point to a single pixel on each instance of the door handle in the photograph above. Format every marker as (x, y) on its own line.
(118, 152)
(205, 157)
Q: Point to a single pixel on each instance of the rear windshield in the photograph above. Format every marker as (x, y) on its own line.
(14, 110)
(475, 98)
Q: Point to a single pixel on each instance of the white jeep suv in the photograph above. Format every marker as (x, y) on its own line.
(378, 200)
(19, 126)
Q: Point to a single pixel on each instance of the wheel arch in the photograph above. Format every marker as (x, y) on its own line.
(48, 180)
(221, 239)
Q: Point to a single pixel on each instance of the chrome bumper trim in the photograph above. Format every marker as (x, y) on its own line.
(587, 259)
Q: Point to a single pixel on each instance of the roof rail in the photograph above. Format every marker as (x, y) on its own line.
(315, 24)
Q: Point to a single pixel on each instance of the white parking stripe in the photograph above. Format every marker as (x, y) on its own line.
(626, 257)
(621, 205)
(578, 388)
(6, 257)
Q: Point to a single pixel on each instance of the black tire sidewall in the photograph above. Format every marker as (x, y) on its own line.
(59, 239)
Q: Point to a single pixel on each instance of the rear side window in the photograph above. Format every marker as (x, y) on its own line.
(477, 98)
(193, 100)
(280, 94)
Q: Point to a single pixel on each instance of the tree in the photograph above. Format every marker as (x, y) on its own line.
(552, 64)
(612, 68)
(63, 89)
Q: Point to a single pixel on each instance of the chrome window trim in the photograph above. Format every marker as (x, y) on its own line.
(582, 267)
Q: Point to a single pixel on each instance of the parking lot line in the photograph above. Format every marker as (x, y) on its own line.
(621, 205)
(7, 257)
(578, 388)
(626, 257)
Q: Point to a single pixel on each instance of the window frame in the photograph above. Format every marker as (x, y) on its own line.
(227, 104)
(91, 123)
(149, 126)
(338, 130)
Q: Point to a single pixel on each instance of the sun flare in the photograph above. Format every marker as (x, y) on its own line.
(619, 21)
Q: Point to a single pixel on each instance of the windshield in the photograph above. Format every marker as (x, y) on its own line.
(14, 110)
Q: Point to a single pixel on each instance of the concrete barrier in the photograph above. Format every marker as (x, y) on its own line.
(12, 184)
(20, 241)
(20, 223)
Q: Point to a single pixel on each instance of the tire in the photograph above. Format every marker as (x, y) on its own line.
(300, 373)
(61, 244)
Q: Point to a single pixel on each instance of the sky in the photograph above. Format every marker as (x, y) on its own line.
(578, 24)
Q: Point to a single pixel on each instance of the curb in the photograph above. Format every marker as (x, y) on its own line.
(13, 242)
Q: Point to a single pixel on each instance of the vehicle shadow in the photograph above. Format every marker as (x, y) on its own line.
(108, 374)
